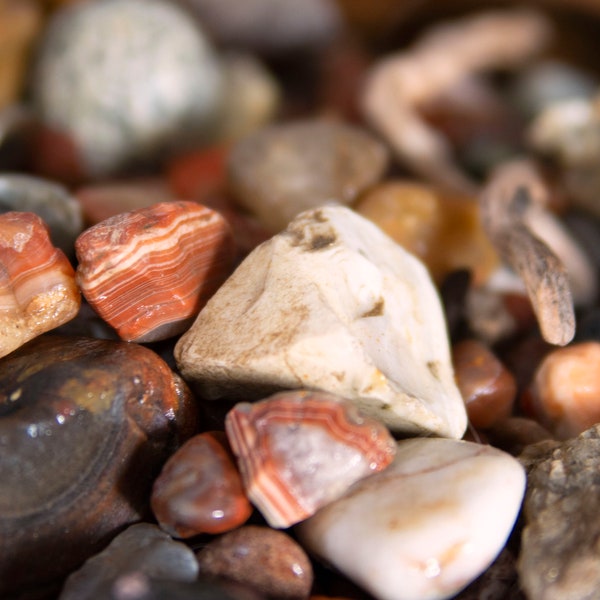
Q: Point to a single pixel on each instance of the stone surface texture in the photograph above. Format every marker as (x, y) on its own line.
(559, 557)
(425, 527)
(333, 304)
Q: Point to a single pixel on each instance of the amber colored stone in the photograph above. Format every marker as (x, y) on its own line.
(148, 272)
(85, 426)
(565, 391)
(38, 291)
(514, 434)
(487, 386)
(200, 490)
(267, 560)
(298, 451)
(442, 229)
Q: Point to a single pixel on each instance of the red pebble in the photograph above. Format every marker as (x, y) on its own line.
(199, 490)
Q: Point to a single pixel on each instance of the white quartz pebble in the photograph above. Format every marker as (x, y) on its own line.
(333, 304)
(425, 527)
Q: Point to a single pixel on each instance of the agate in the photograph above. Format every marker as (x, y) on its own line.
(148, 272)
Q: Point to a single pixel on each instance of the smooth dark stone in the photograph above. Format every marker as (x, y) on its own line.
(85, 427)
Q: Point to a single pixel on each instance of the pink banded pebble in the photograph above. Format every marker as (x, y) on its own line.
(38, 291)
(148, 272)
(298, 451)
(199, 490)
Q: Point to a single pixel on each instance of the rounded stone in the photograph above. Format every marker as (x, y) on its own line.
(265, 559)
(85, 426)
(114, 114)
(200, 490)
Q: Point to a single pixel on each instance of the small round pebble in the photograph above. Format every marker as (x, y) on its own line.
(265, 559)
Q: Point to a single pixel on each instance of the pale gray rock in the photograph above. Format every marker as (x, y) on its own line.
(141, 552)
(284, 169)
(559, 557)
(334, 304)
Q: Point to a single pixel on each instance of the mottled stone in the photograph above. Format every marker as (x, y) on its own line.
(425, 527)
(199, 490)
(52, 202)
(487, 386)
(298, 451)
(112, 112)
(85, 426)
(38, 291)
(267, 560)
(148, 272)
(442, 229)
(559, 546)
(565, 392)
(284, 169)
(333, 304)
(139, 550)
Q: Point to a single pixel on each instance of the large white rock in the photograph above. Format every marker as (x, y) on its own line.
(426, 526)
(331, 303)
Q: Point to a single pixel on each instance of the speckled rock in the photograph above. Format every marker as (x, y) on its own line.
(559, 547)
(332, 304)
(265, 559)
(284, 169)
(141, 549)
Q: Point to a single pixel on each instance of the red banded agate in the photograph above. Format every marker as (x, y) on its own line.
(298, 451)
(38, 291)
(148, 272)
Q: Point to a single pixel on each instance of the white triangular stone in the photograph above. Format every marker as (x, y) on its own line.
(331, 303)
(427, 525)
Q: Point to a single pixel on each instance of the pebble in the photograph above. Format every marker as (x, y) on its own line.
(52, 202)
(514, 434)
(330, 304)
(38, 287)
(142, 550)
(487, 386)
(298, 451)
(112, 115)
(267, 26)
(265, 559)
(148, 272)
(565, 392)
(85, 427)
(426, 526)
(281, 170)
(199, 489)
(442, 229)
(559, 556)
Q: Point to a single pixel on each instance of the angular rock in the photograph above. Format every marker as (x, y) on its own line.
(332, 304)
(425, 527)
(141, 549)
(559, 556)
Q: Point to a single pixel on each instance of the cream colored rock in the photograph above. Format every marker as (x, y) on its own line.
(427, 526)
(333, 304)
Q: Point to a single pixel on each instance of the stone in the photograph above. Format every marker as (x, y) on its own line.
(199, 489)
(141, 549)
(330, 304)
(559, 545)
(281, 170)
(425, 527)
(487, 386)
(442, 229)
(265, 559)
(52, 202)
(298, 451)
(85, 426)
(112, 114)
(148, 272)
(514, 434)
(565, 392)
(37, 281)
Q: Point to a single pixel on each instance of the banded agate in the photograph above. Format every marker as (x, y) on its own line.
(298, 451)
(148, 272)
(38, 291)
